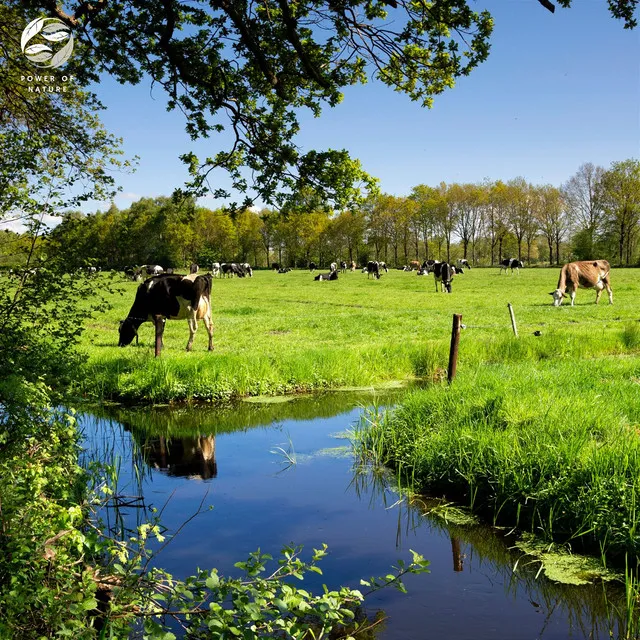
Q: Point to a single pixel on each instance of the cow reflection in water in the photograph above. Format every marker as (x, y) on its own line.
(190, 457)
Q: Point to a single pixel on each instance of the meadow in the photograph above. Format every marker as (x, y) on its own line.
(285, 333)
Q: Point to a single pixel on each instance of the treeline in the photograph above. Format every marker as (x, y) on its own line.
(595, 214)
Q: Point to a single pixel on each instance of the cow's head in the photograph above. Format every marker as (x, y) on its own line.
(128, 332)
(558, 294)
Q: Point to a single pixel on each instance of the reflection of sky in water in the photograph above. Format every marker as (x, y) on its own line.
(258, 503)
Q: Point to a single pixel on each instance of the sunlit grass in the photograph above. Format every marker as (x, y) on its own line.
(281, 333)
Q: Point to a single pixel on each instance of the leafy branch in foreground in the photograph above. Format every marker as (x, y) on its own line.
(262, 602)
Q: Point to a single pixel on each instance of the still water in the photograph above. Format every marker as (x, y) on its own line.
(239, 462)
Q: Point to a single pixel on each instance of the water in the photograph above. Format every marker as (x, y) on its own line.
(238, 461)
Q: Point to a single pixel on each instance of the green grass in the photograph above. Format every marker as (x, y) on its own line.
(284, 333)
(552, 447)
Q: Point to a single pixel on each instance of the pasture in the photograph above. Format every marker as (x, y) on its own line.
(283, 333)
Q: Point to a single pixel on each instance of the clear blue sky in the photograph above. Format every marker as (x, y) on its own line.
(557, 90)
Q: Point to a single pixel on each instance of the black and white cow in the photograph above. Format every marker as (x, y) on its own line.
(232, 269)
(312, 266)
(284, 270)
(215, 269)
(170, 297)
(343, 266)
(383, 265)
(333, 266)
(443, 273)
(322, 277)
(373, 268)
(511, 263)
(463, 263)
(247, 269)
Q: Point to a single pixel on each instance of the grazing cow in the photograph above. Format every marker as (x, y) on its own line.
(383, 265)
(513, 264)
(429, 265)
(333, 266)
(373, 268)
(463, 263)
(588, 274)
(247, 269)
(443, 273)
(232, 269)
(284, 270)
(352, 266)
(312, 267)
(215, 269)
(170, 297)
(414, 265)
(343, 266)
(193, 268)
(332, 275)
(151, 269)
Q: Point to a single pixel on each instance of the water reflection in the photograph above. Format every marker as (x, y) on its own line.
(472, 591)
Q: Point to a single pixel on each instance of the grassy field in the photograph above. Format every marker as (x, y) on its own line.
(282, 333)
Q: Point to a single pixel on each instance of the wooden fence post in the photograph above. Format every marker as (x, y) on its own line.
(453, 350)
(513, 319)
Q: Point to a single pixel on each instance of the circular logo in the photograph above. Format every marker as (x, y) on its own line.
(47, 42)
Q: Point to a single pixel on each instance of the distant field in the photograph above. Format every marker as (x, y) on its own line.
(278, 333)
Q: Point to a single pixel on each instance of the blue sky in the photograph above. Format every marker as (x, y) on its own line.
(557, 90)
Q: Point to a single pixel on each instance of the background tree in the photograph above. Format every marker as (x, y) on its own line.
(582, 196)
(621, 203)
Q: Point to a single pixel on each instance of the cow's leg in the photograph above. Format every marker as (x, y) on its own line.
(609, 292)
(158, 321)
(193, 327)
(573, 296)
(208, 323)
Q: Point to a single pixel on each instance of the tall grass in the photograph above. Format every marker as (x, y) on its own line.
(552, 447)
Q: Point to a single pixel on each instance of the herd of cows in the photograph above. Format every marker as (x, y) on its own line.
(169, 296)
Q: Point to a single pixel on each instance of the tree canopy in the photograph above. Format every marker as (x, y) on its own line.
(248, 69)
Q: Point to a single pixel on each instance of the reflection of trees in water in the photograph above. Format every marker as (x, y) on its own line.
(191, 457)
(596, 611)
(197, 420)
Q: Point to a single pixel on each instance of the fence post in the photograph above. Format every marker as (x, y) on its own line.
(453, 350)
(513, 320)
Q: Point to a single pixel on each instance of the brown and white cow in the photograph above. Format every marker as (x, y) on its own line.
(588, 274)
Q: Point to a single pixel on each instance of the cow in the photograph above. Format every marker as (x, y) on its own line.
(383, 265)
(151, 269)
(284, 270)
(312, 267)
(352, 266)
(429, 265)
(443, 273)
(588, 274)
(343, 266)
(414, 265)
(215, 269)
(513, 264)
(170, 297)
(463, 263)
(333, 266)
(332, 275)
(247, 269)
(232, 269)
(373, 268)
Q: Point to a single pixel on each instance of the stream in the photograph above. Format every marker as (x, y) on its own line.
(282, 472)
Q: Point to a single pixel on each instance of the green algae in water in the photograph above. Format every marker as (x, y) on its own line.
(334, 452)
(562, 566)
